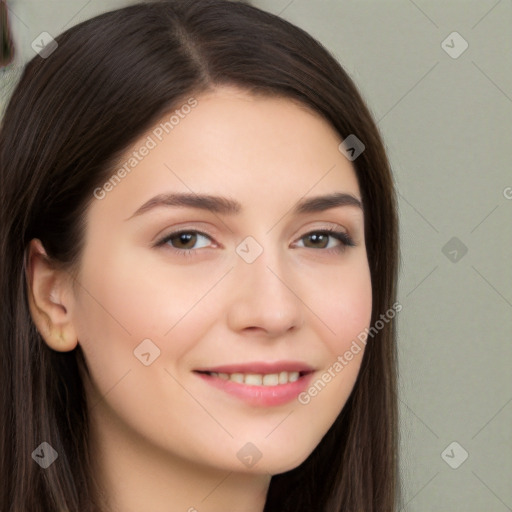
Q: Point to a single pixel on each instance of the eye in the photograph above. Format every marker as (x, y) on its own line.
(187, 238)
(184, 242)
(320, 237)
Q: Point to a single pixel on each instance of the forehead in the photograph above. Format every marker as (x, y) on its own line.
(258, 149)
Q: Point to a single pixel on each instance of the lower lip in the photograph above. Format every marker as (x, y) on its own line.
(263, 396)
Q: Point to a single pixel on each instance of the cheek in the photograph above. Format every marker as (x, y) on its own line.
(150, 297)
(344, 310)
(123, 297)
(122, 302)
(354, 307)
(342, 306)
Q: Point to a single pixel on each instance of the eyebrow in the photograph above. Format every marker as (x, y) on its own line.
(227, 206)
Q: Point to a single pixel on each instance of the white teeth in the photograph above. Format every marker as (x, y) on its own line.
(255, 379)
(271, 379)
(293, 376)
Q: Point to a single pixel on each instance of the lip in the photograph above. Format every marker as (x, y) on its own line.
(260, 367)
(260, 396)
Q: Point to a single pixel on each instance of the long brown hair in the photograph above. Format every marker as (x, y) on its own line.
(69, 119)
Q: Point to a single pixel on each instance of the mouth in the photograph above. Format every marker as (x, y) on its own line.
(258, 379)
(259, 384)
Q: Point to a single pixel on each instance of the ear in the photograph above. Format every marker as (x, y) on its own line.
(49, 293)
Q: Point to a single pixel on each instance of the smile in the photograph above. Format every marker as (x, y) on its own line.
(261, 385)
(254, 379)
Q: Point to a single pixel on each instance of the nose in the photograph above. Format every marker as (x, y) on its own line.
(264, 296)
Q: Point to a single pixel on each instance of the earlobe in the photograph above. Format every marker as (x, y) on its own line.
(48, 292)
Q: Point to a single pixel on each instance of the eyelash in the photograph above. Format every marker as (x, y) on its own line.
(344, 238)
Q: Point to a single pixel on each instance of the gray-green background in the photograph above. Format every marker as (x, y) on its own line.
(447, 124)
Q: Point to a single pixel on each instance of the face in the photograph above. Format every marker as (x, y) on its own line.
(263, 298)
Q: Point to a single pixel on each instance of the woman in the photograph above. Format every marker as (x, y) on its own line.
(253, 372)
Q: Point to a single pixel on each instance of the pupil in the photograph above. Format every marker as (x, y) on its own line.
(316, 237)
(185, 237)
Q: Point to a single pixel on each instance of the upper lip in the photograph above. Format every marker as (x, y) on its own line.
(260, 367)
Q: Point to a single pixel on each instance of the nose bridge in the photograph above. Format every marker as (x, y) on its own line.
(264, 297)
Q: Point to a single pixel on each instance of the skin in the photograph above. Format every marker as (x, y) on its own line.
(163, 439)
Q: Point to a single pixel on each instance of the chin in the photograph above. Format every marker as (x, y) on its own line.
(278, 462)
